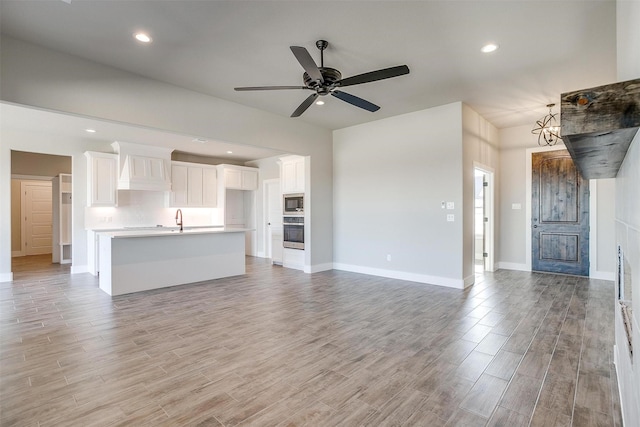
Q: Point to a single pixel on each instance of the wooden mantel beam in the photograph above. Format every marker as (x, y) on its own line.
(598, 125)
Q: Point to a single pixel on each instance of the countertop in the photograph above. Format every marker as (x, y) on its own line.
(167, 231)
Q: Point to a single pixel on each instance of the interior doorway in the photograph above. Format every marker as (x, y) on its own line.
(483, 219)
(32, 203)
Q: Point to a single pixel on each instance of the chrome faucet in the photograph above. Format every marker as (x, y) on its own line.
(179, 222)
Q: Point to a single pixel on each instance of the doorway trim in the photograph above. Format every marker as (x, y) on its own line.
(490, 212)
(266, 241)
(22, 178)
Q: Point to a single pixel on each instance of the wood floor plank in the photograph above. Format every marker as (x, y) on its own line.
(503, 417)
(484, 395)
(521, 394)
(278, 347)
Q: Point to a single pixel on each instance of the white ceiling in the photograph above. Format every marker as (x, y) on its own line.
(546, 48)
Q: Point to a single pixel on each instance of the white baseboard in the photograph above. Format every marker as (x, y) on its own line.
(293, 266)
(6, 277)
(602, 275)
(16, 253)
(318, 268)
(513, 266)
(402, 275)
(77, 269)
(260, 254)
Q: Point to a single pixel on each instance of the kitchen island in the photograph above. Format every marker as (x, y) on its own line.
(141, 260)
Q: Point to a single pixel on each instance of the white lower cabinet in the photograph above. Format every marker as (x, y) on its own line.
(293, 258)
(193, 185)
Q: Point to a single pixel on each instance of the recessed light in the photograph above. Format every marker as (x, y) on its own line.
(90, 130)
(142, 37)
(489, 47)
(319, 102)
(200, 140)
(229, 152)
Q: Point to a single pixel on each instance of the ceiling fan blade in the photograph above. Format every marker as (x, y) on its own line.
(354, 100)
(305, 104)
(372, 76)
(307, 62)
(241, 89)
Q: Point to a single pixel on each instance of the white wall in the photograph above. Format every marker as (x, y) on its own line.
(627, 39)
(39, 77)
(603, 264)
(390, 177)
(627, 217)
(628, 236)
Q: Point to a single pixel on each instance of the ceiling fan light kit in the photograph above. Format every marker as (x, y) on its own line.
(326, 81)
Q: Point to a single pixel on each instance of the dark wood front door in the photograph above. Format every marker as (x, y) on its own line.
(559, 216)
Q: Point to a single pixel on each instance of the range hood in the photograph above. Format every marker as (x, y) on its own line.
(598, 125)
(143, 167)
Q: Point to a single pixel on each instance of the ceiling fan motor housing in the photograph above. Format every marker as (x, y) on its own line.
(330, 76)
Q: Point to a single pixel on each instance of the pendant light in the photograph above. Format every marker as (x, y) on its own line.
(547, 129)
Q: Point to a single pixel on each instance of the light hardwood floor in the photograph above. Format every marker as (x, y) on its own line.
(278, 347)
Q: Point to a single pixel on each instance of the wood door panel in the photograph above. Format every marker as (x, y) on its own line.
(559, 247)
(559, 215)
(558, 191)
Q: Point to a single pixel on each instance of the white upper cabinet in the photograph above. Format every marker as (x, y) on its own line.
(179, 184)
(102, 174)
(193, 185)
(292, 174)
(209, 187)
(239, 177)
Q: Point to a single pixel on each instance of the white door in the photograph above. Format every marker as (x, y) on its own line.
(37, 217)
(273, 220)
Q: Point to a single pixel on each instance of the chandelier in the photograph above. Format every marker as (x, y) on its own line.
(547, 129)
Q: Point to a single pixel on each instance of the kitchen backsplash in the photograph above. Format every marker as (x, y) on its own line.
(146, 209)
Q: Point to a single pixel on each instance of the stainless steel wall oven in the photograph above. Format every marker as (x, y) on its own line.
(293, 228)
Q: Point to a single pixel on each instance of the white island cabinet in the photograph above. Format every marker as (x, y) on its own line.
(141, 260)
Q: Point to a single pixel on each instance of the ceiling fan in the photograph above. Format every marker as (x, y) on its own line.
(325, 80)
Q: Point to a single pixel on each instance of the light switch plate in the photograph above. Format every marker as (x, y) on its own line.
(516, 206)
(450, 205)
(450, 217)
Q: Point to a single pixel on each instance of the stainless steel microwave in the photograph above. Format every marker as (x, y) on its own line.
(293, 204)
